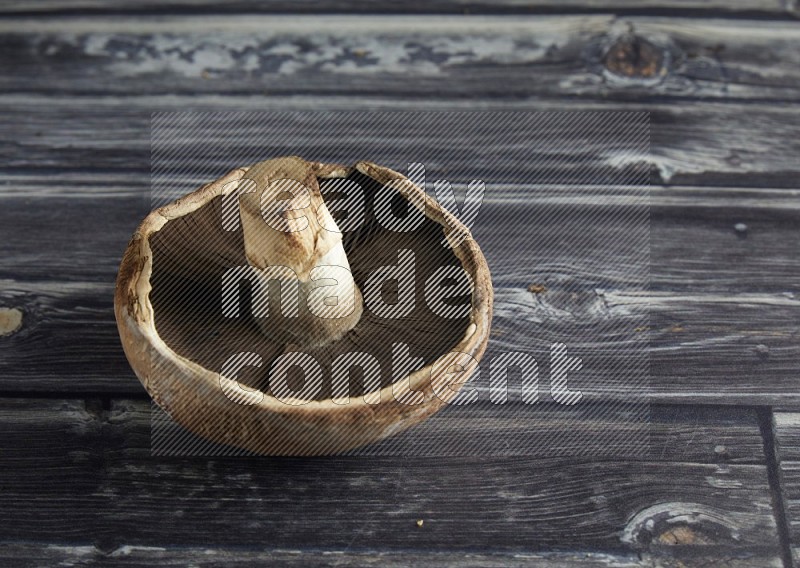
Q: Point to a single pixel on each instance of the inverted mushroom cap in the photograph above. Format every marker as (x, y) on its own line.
(232, 375)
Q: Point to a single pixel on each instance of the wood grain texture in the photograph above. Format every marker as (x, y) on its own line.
(722, 316)
(628, 433)
(41, 554)
(787, 432)
(699, 434)
(504, 57)
(87, 469)
(769, 8)
(787, 438)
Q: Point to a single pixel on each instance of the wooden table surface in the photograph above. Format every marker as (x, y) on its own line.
(721, 482)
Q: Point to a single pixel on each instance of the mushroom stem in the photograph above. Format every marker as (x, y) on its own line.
(290, 236)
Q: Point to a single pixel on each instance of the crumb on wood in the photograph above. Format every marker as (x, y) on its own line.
(537, 288)
(420, 522)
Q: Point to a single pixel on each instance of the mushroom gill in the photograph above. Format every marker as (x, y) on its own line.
(178, 329)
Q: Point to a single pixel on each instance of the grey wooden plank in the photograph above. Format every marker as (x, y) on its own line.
(691, 144)
(722, 435)
(36, 555)
(515, 56)
(677, 433)
(787, 440)
(773, 8)
(700, 347)
(64, 235)
(705, 507)
(50, 239)
(717, 316)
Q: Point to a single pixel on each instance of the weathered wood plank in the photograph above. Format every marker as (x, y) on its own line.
(773, 8)
(690, 144)
(36, 555)
(77, 228)
(787, 441)
(625, 432)
(684, 500)
(700, 340)
(719, 314)
(673, 433)
(54, 446)
(787, 433)
(791, 488)
(516, 56)
(527, 505)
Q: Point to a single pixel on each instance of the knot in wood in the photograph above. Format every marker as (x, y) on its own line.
(634, 57)
(10, 320)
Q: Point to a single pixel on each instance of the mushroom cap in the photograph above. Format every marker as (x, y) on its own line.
(175, 341)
